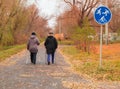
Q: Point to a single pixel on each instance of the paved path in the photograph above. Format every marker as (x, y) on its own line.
(16, 74)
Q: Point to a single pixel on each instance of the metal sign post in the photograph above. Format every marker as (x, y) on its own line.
(101, 36)
(106, 27)
(102, 15)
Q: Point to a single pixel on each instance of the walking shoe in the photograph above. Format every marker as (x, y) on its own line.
(52, 61)
(34, 62)
(48, 63)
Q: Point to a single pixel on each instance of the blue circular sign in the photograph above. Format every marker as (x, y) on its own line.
(102, 15)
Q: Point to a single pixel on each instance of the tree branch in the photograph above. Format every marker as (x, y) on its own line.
(91, 7)
(68, 2)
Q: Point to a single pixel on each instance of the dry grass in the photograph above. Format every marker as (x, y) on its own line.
(111, 51)
(88, 64)
(6, 52)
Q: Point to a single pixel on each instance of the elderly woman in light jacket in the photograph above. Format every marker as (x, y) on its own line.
(32, 46)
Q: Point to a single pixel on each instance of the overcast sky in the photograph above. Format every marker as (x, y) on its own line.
(50, 8)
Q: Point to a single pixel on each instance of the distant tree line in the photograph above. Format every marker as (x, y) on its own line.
(78, 22)
(17, 21)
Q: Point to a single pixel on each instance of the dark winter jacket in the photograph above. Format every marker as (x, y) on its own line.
(33, 43)
(50, 44)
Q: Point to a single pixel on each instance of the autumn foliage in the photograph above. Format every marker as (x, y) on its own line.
(18, 21)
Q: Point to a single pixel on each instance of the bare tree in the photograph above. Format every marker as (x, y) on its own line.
(8, 11)
(84, 8)
(33, 16)
(36, 22)
(115, 8)
(17, 21)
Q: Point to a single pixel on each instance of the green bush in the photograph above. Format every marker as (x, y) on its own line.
(83, 37)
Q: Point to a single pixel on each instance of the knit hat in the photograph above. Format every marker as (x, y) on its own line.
(33, 33)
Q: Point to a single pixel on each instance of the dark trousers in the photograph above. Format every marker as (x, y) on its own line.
(33, 57)
(49, 57)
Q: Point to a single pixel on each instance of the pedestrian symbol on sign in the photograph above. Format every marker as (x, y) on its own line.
(102, 19)
(102, 15)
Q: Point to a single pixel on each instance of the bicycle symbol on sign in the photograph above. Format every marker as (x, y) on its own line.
(102, 15)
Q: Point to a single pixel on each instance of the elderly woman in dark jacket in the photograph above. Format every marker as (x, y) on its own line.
(32, 46)
(50, 45)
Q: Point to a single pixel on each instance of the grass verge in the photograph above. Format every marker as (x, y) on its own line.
(66, 42)
(88, 64)
(6, 52)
